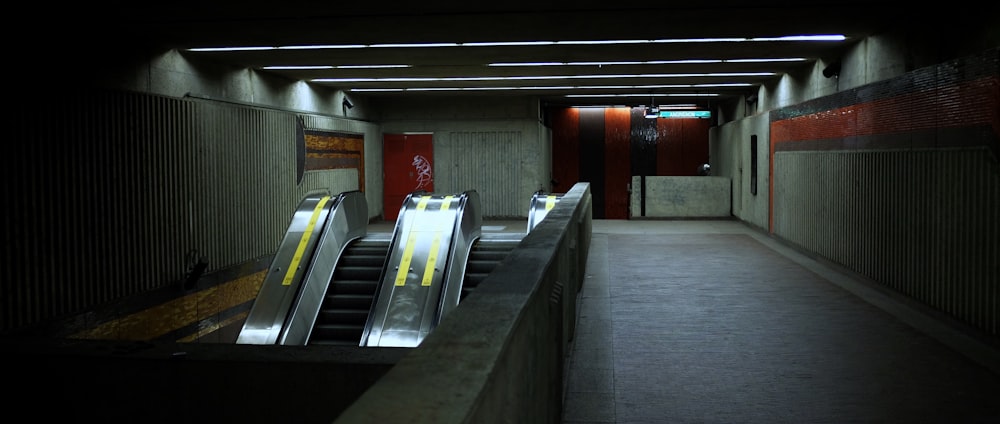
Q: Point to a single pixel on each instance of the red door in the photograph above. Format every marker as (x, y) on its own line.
(408, 163)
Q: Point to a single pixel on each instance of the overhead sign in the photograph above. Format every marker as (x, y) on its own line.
(685, 114)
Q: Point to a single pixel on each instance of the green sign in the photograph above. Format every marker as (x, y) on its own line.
(685, 114)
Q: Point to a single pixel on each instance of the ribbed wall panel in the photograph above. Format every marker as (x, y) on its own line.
(116, 194)
(487, 162)
(245, 197)
(921, 222)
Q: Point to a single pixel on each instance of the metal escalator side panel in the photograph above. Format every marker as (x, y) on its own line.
(402, 219)
(346, 222)
(468, 229)
(280, 287)
(541, 204)
(409, 291)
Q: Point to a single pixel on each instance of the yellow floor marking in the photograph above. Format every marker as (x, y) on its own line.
(213, 328)
(162, 319)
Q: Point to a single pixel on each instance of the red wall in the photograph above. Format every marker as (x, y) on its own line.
(617, 164)
(565, 124)
(680, 145)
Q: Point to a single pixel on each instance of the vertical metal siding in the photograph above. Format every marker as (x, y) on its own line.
(921, 222)
(115, 191)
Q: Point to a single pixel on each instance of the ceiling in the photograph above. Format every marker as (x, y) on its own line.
(182, 25)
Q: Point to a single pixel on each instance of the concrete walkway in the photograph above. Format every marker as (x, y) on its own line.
(714, 322)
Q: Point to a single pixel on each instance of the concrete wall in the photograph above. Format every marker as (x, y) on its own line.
(896, 161)
(730, 145)
(496, 146)
(680, 197)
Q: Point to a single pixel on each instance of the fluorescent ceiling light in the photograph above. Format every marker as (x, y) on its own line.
(650, 62)
(559, 87)
(413, 45)
(784, 59)
(375, 90)
(371, 66)
(294, 68)
(619, 87)
(831, 37)
(679, 106)
(545, 77)
(647, 95)
(230, 49)
(308, 67)
(462, 88)
(528, 43)
(508, 43)
(371, 90)
(323, 47)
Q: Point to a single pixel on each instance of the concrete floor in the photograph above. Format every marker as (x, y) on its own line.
(714, 322)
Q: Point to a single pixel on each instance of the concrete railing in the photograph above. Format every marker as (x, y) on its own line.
(499, 356)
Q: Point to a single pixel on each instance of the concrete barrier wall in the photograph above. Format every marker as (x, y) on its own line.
(158, 382)
(499, 356)
(680, 197)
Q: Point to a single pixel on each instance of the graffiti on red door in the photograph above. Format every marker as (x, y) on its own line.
(425, 174)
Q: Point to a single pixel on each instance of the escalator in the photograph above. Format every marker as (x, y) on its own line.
(332, 283)
(485, 255)
(349, 298)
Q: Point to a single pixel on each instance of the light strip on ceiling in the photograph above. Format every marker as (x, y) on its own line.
(651, 62)
(408, 89)
(313, 67)
(647, 95)
(545, 77)
(570, 87)
(834, 37)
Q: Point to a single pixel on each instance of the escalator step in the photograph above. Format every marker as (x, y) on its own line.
(357, 273)
(483, 259)
(495, 256)
(473, 279)
(473, 266)
(365, 287)
(321, 342)
(352, 260)
(465, 292)
(366, 247)
(343, 316)
(348, 301)
(505, 246)
(336, 332)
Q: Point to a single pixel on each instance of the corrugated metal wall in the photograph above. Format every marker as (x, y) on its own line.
(111, 194)
(488, 162)
(923, 222)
